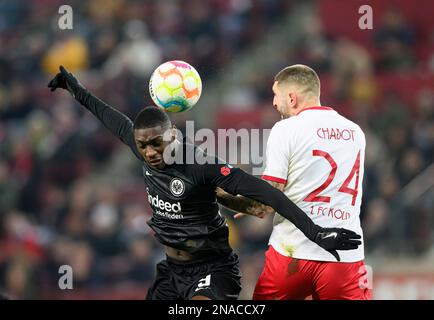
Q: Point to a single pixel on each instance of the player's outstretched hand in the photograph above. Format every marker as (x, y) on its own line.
(333, 239)
(65, 80)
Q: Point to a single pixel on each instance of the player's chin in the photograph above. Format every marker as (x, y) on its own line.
(157, 163)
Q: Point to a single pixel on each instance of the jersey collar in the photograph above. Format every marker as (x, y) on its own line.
(314, 108)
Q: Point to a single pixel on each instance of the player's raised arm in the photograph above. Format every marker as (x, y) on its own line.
(236, 181)
(118, 123)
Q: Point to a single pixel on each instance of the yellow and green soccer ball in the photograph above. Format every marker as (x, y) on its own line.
(175, 86)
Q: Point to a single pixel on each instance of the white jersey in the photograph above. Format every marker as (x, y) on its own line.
(319, 155)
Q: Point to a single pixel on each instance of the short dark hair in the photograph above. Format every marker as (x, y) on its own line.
(150, 117)
(300, 75)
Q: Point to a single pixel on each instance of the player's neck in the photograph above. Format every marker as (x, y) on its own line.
(309, 104)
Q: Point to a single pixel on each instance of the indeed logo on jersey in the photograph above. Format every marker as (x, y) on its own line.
(163, 205)
(170, 209)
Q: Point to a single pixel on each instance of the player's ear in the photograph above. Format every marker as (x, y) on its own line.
(292, 99)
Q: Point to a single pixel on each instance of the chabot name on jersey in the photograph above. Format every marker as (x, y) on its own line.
(336, 134)
(164, 205)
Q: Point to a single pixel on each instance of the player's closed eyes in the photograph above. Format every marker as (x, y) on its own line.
(155, 144)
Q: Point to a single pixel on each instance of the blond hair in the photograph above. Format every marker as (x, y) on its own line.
(301, 76)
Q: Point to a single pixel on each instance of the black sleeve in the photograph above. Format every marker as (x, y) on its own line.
(118, 123)
(236, 181)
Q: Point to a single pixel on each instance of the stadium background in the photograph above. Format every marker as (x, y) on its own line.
(70, 193)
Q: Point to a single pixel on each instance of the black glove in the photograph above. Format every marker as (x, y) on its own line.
(332, 239)
(66, 80)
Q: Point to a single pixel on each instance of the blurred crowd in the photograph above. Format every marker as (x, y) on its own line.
(55, 209)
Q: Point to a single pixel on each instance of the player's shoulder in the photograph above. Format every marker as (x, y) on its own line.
(352, 124)
(286, 125)
(355, 127)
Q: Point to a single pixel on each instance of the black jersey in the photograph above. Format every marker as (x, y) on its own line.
(185, 211)
(182, 196)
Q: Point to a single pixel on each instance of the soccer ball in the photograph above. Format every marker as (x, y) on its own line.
(175, 86)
